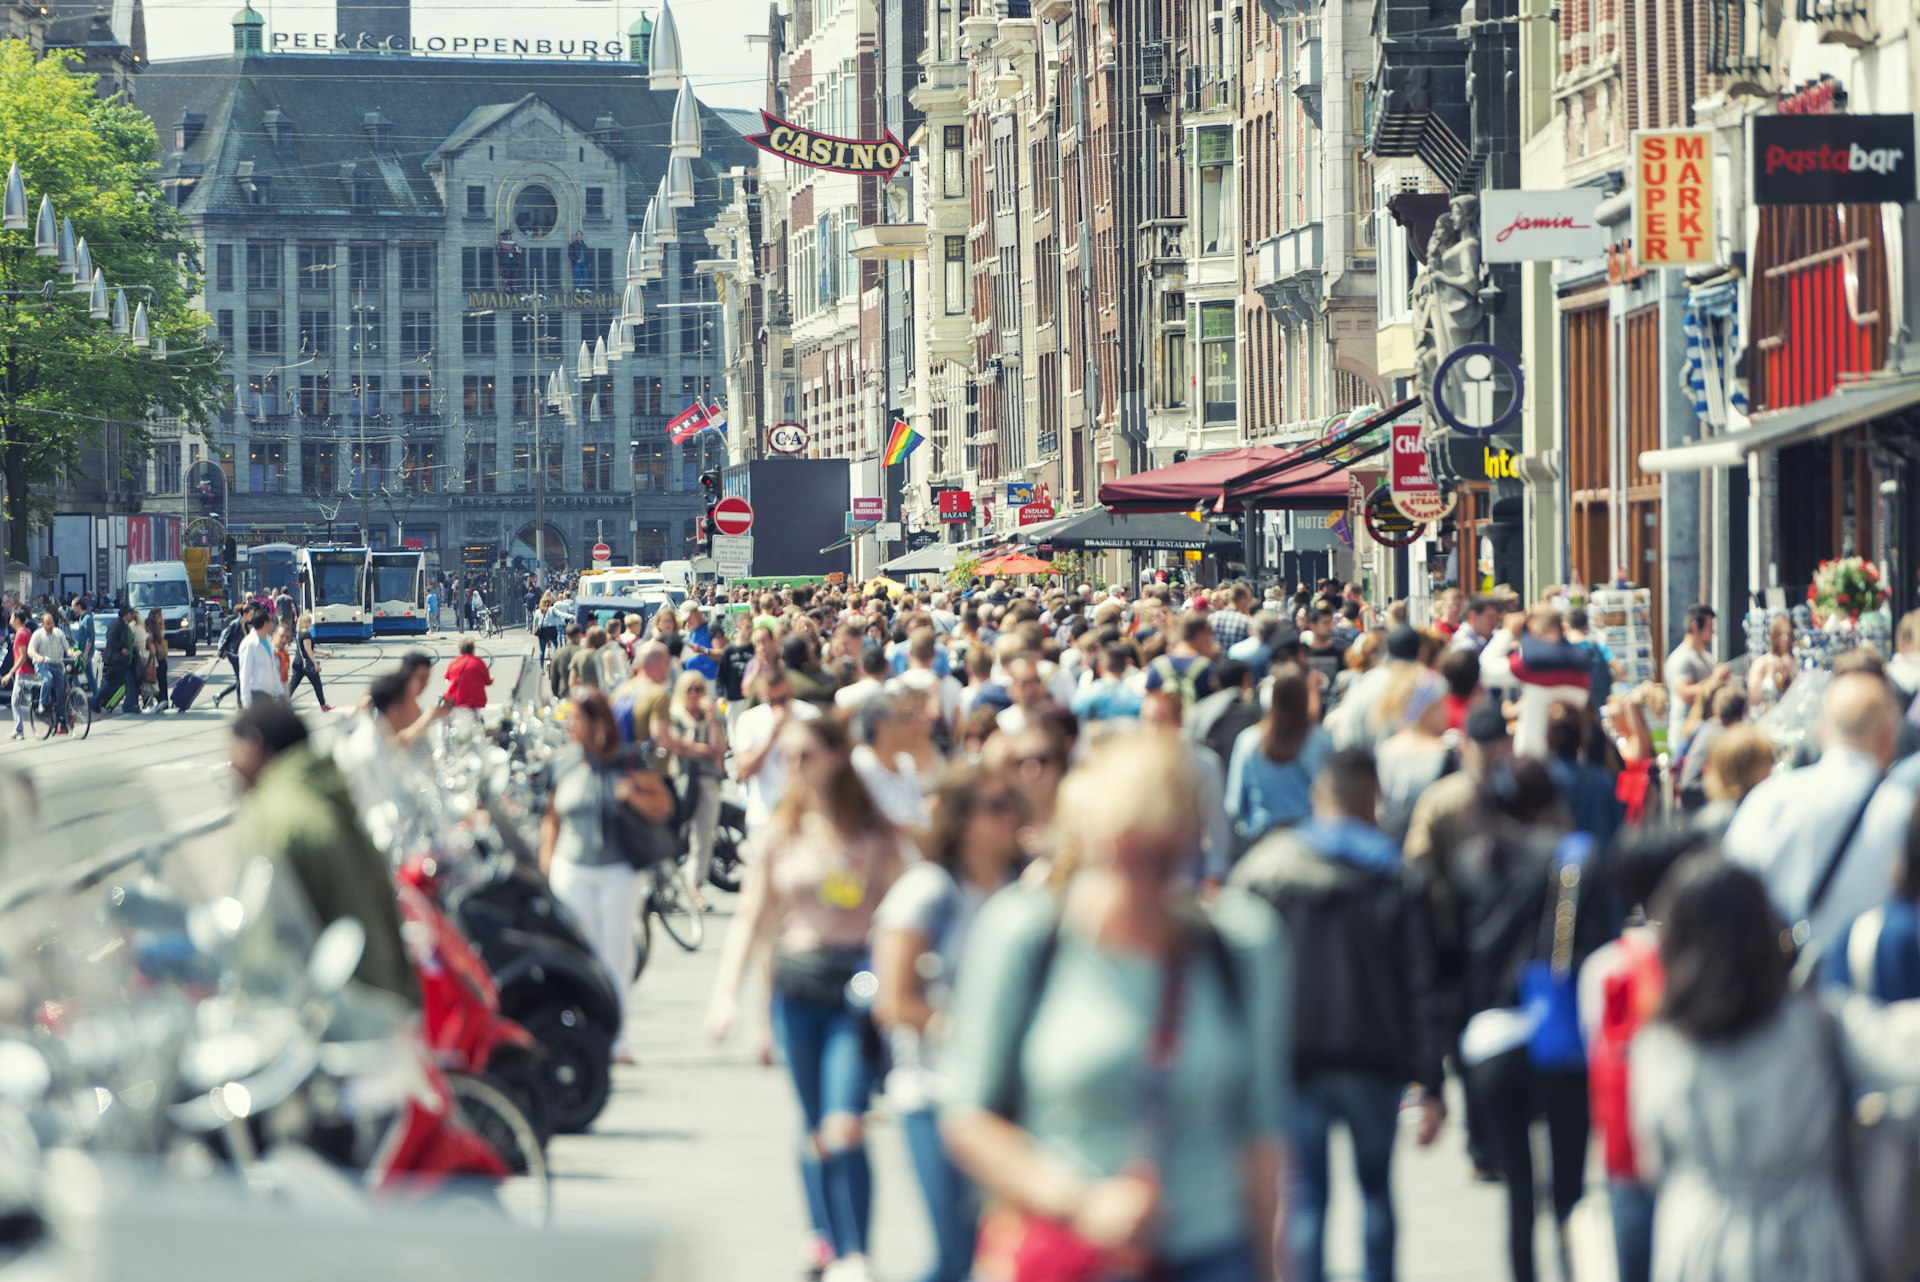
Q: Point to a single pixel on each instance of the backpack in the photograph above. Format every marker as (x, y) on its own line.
(1185, 684)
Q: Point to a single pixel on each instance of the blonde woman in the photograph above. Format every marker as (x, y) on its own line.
(1770, 674)
(699, 773)
(1118, 1067)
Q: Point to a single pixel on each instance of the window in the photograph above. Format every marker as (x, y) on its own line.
(478, 268)
(478, 334)
(535, 212)
(417, 264)
(1176, 390)
(943, 30)
(313, 266)
(526, 390)
(956, 275)
(369, 403)
(363, 191)
(223, 266)
(594, 326)
(476, 201)
(316, 331)
(266, 467)
(263, 396)
(649, 466)
(319, 467)
(316, 398)
(368, 336)
(263, 331)
(1218, 368)
(419, 462)
(166, 470)
(476, 396)
(263, 264)
(416, 395)
(483, 468)
(596, 467)
(650, 335)
(953, 161)
(1214, 149)
(596, 203)
(524, 324)
(416, 331)
(647, 397)
(223, 326)
(366, 267)
(368, 473)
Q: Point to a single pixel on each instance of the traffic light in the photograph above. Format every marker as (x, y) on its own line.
(710, 494)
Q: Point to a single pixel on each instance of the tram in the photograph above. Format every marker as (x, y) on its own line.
(336, 593)
(396, 592)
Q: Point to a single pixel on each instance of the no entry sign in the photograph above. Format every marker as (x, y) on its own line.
(732, 515)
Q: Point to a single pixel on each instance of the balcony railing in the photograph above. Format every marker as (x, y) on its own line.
(1289, 269)
(1156, 78)
(1163, 244)
(1206, 88)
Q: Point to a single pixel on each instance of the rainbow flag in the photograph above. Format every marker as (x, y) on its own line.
(903, 442)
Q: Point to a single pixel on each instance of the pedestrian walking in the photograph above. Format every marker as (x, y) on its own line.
(589, 871)
(1270, 775)
(825, 860)
(237, 629)
(305, 665)
(157, 653)
(259, 666)
(468, 677)
(1169, 1168)
(700, 775)
(19, 677)
(119, 675)
(545, 629)
(921, 930)
(1367, 1017)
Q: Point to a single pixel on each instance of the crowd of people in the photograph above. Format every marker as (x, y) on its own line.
(1127, 902)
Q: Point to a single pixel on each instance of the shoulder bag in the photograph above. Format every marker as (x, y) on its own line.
(1547, 991)
(632, 828)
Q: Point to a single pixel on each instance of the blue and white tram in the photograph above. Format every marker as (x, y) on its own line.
(336, 590)
(396, 587)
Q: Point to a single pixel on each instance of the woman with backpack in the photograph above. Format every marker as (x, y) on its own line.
(970, 853)
(1117, 1073)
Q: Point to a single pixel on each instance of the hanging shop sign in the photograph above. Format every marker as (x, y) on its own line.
(879, 156)
(1673, 197)
(787, 438)
(955, 506)
(1410, 476)
(868, 511)
(1389, 526)
(1478, 389)
(1036, 512)
(1020, 493)
(1833, 160)
(1540, 226)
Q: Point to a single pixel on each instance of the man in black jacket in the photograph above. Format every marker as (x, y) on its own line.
(1365, 1019)
(117, 663)
(238, 626)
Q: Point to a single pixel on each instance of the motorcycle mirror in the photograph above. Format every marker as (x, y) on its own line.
(336, 955)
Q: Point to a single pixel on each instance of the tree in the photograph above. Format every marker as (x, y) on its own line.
(63, 376)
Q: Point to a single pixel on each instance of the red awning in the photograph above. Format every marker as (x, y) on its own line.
(1182, 487)
(1312, 488)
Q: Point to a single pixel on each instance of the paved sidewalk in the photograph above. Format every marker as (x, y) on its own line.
(699, 1142)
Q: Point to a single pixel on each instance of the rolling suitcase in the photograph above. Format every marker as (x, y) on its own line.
(186, 690)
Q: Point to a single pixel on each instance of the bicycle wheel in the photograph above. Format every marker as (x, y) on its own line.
(49, 722)
(729, 838)
(672, 905)
(79, 712)
(527, 1193)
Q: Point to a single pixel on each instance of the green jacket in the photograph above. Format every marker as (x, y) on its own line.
(300, 815)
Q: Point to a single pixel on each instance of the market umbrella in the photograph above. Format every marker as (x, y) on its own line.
(1016, 563)
(893, 587)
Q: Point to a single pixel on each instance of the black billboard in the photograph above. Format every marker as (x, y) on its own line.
(1833, 160)
(799, 508)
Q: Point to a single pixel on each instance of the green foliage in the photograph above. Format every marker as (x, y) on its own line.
(962, 573)
(64, 377)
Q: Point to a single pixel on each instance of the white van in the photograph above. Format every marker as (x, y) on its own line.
(164, 585)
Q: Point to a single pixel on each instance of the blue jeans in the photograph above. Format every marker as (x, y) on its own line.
(826, 1057)
(1369, 1105)
(1632, 1207)
(53, 687)
(951, 1202)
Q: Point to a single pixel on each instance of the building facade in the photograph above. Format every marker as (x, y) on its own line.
(415, 271)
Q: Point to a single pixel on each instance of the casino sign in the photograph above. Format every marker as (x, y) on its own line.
(879, 157)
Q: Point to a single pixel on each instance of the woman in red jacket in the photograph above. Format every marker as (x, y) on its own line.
(468, 677)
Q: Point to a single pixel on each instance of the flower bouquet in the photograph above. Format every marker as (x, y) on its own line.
(1847, 587)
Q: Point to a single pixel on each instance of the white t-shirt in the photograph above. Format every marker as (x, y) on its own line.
(852, 696)
(920, 680)
(763, 792)
(895, 791)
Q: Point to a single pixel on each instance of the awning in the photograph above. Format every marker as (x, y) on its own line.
(1852, 405)
(1182, 487)
(1314, 488)
(928, 560)
(1097, 528)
